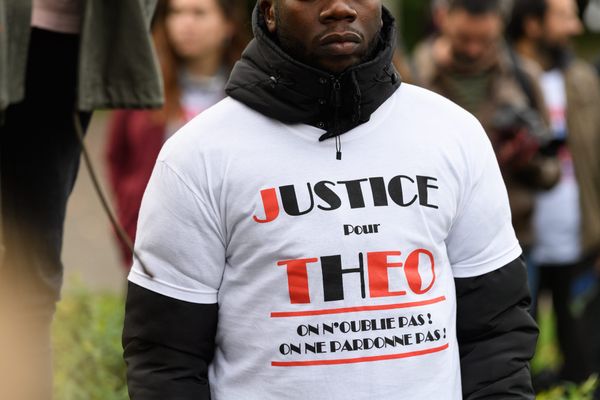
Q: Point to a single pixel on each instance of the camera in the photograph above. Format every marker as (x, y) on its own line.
(509, 120)
(519, 134)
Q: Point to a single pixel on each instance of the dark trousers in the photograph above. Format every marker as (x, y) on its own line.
(572, 335)
(39, 156)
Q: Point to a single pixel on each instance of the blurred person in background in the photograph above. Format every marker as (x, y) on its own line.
(479, 73)
(567, 218)
(198, 41)
(59, 60)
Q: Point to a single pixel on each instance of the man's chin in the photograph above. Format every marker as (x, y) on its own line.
(464, 64)
(336, 65)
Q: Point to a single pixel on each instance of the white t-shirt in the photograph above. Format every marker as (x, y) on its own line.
(200, 93)
(557, 216)
(555, 96)
(197, 95)
(334, 279)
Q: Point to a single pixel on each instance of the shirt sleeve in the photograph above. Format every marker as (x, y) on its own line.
(482, 238)
(179, 240)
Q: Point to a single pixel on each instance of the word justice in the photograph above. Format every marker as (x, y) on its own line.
(376, 268)
(403, 191)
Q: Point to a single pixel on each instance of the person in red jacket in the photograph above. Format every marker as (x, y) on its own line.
(197, 43)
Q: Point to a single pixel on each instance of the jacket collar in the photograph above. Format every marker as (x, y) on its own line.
(271, 82)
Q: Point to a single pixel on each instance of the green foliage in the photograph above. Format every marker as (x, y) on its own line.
(413, 20)
(88, 362)
(571, 391)
(547, 354)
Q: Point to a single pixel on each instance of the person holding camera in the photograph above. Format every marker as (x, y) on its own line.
(567, 218)
(479, 73)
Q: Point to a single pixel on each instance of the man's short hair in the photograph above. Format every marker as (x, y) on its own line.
(522, 10)
(477, 7)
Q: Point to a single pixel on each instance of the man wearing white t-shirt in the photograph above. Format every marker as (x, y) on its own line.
(327, 233)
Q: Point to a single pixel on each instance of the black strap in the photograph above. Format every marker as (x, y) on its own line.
(524, 81)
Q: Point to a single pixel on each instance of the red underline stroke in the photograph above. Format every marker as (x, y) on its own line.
(359, 359)
(286, 314)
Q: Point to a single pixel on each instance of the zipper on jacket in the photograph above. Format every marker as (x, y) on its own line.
(337, 103)
(337, 100)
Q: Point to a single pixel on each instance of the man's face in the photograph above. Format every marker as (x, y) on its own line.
(474, 39)
(331, 35)
(561, 23)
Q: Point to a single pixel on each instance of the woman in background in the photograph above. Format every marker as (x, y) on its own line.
(197, 43)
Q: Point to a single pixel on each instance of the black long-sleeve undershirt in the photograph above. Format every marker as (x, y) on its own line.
(496, 334)
(168, 345)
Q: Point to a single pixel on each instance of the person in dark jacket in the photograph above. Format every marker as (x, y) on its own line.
(327, 231)
(59, 61)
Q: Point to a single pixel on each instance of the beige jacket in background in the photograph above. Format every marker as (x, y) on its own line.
(583, 124)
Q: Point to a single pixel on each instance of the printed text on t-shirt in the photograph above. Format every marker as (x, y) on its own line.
(403, 190)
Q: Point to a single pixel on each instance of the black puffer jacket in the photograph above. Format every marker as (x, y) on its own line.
(276, 85)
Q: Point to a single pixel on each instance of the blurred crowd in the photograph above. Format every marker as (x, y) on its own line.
(516, 70)
(512, 65)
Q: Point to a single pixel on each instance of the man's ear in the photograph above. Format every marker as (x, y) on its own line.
(267, 9)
